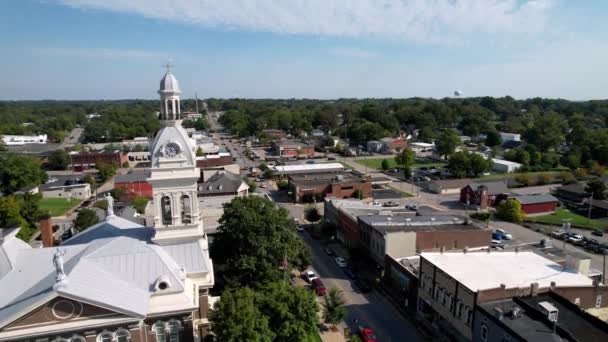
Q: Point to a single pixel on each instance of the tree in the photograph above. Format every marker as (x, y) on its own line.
(547, 132)
(268, 174)
(493, 138)
(596, 188)
(236, 317)
(199, 152)
(510, 210)
(10, 213)
(478, 164)
(426, 135)
(459, 164)
(263, 166)
(59, 160)
(17, 172)
(545, 178)
(333, 307)
(447, 142)
(117, 193)
(312, 214)
(524, 179)
(88, 178)
(105, 170)
(255, 239)
(291, 311)
(406, 158)
(567, 177)
(251, 184)
(385, 164)
(139, 203)
(85, 219)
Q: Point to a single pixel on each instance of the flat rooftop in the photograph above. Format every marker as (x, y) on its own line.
(482, 270)
(326, 178)
(307, 168)
(395, 223)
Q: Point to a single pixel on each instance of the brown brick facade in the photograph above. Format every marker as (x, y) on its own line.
(452, 239)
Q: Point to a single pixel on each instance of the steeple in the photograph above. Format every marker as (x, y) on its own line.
(169, 96)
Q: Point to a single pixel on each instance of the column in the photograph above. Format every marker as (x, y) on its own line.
(177, 213)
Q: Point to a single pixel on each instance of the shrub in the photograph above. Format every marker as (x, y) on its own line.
(567, 177)
(102, 204)
(580, 173)
(139, 203)
(524, 179)
(545, 178)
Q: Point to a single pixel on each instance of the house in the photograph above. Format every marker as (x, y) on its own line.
(447, 186)
(68, 187)
(402, 236)
(386, 145)
(223, 184)
(599, 208)
(17, 140)
(505, 166)
(537, 204)
(307, 187)
(296, 169)
(293, 148)
(134, 183)
(573, 194)
(375, 146)
(545, 317)
(452, 285)
(484, 194)
(343, 213)
(510, 136)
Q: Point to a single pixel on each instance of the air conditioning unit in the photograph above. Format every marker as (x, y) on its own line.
(549, 311)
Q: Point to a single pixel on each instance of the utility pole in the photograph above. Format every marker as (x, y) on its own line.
(604, 267)
(590, 206)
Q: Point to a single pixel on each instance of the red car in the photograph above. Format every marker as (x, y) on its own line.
(317, 285)
(367, 335)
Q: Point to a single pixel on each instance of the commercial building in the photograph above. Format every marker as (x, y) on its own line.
(86, 160)
(401, 281)
(296, 169)
(402, 236)
(422, 147)
(573, 194)
(306, 187)
(274, 134)
(65, 187)
(545, 317)
(343, 213)
(293, 148)
(452, 285)
(16, 140)
(537, 204)
(448, 186)
(505, 166)
(134, 183)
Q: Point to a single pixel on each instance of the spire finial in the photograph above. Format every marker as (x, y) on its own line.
(168, 66)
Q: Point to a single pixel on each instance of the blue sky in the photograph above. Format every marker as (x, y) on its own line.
(111, 49)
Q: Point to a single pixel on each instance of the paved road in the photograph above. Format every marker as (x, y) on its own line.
(72, 138)
(371, 309)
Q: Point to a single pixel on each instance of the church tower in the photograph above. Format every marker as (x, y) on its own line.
(173, 173)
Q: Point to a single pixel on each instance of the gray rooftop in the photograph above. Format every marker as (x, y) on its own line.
(133, 176)
(220, 183)
(117, 251)
(533, 199)
(493, 187)
(392, 223)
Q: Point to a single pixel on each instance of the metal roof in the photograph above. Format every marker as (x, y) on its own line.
(532, 199)
(306, 168)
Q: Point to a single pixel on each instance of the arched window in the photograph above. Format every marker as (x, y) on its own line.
(173, 328)
(159, 331)
(105, 336)
(186, 210)
(166, 210)
(122, 335)
(77, 338)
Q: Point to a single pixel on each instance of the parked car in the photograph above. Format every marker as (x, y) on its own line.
(349, 273)
(317, 285)
(558, 234)
(411, 207)
(329, 251)
(367, 334)
(263, 185)
(597, 232)
(390, 204)
(504, 235)
(497, 244)
(341, 262)
(363, 285)
(309, 276)
(575, 238)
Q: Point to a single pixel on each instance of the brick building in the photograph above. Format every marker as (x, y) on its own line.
(537, 204)
(484, 195)
(134, 183)
(86, 160)
(340, 185)
(452, 285)
(293, 148)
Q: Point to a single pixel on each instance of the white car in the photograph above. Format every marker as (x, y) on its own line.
(341, 262)
(309, 276)
(575, 238)
(497, 244)
(505, 235)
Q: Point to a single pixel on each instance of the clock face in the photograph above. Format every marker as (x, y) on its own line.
(171, 150)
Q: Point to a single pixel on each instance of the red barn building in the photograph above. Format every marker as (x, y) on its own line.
(537, 204)
(484, 194)
(134, 183)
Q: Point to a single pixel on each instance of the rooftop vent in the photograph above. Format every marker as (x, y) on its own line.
(498, 313)
(515, 312)
(162, 284)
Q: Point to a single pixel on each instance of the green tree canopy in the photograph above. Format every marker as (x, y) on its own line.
(478, 164)
(406, 158)
(510, 210)
(446, 142)
(59, 160)
(459, 164)
(596, 188)
(312, 214)
(85, 219)
(17, 172)
(493, 138)
(255, 239)
(333, 307)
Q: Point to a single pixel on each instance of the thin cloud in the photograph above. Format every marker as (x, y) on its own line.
(101, 53)
(422, 21)
(352, 52)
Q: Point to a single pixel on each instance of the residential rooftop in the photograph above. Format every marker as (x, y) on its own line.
(513, 269)
(533, 199)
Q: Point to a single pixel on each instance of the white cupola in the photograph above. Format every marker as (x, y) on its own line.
(169, 97)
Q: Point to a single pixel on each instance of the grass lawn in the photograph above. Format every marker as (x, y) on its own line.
(376, 163)
(57, 206)
(575, 219)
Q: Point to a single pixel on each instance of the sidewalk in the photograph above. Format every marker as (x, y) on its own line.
(333, 336)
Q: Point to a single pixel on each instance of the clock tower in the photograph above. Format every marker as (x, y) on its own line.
(173, 173)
